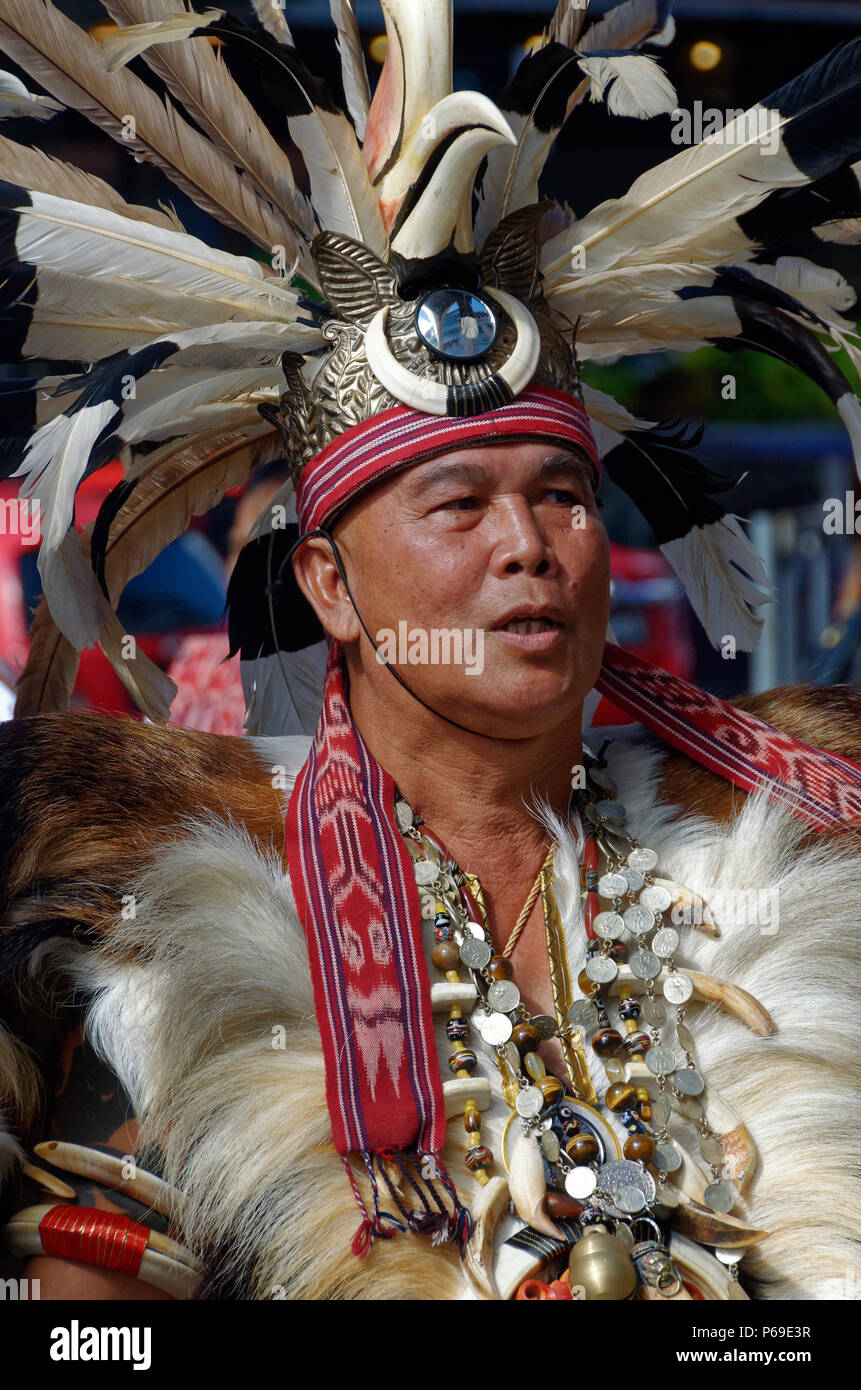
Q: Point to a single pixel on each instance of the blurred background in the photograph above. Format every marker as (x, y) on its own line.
(778, 430)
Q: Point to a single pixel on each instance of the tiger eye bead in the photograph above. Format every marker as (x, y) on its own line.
(606, 1041)
(640, 1146)
(583, 1148)
(525, 1037)
(550, 1087)
(500, 968)
(446, 955)
(619, 952)
(472, 1121)
(620, 1096)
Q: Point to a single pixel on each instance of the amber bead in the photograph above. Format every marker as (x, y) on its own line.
(550, 1087)
(606, 1041)
(500, 968)
(472, 1121)
(525, 1037)
(640, 1146)
(585, 985)
(583, 1148)
(620, 1096)
(446, 955)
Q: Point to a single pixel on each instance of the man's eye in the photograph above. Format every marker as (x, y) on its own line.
(460, 504)
(562, 496)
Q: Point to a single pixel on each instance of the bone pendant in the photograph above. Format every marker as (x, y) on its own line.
(527, 1186)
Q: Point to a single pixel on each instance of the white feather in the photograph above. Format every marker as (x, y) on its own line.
(15, 100)
(274, 21)
(354, 72)
(83, 615)
(33, 169)
(62, 57)
(104, 245)
(634, 85)
(625, 26)
(706, 561)
(195, 75)
(849, 410)
(724, 176)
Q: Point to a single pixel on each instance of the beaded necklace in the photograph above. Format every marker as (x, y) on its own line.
(609, 1194)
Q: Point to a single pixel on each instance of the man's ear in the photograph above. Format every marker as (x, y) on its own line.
(318, 578)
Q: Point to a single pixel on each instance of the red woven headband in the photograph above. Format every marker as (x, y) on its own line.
(367, 452)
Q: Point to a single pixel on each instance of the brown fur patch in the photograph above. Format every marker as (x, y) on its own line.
(86, 800)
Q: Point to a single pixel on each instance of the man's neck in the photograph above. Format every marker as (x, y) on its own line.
(477, 795)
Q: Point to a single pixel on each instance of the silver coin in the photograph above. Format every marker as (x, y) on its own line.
(685, 1037)
(630, 1200)
(661, 1060)
(667, 1158)
(403, 816)
(689, 1082)
(642, 859)
(580, 1183)
(582, 1014)
(645, 965)
(678, 987)
(622, 1172)
(690, 1108)
(529, 1103)
(426, 872)
(711, 1150)
(503, 995)
(611, 810)
(601, 969)
(608, 925)
(547, 1026)
(494, 1028)
(720, 1197)
(660, 1112)
(653, 1012)
(475, 953)
(612, 885)
(475, 929)
(550, 1145)
(655, 897)
(729, 1257)
(665, 942)
(633, 878)
(638, 919)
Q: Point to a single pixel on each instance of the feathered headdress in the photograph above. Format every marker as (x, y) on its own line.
(394, 290)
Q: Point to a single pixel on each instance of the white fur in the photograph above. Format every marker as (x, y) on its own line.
(223, 963)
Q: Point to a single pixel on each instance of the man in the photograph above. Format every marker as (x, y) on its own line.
(285, 946)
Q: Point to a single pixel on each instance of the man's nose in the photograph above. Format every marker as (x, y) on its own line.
(522, 546)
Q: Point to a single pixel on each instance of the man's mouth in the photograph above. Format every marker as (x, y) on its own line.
(527, 627)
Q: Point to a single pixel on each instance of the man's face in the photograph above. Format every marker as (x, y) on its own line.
(503, 545)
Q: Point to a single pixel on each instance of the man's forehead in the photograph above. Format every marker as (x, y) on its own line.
(497, 463)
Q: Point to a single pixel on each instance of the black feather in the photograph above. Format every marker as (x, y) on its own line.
(263, 572)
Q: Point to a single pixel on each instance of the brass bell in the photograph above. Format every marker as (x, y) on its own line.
(602, 1267)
